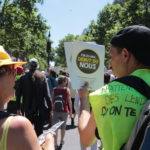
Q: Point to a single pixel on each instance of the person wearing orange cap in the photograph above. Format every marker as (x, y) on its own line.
(16, 132)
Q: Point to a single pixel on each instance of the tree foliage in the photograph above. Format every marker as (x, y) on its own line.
(118, 15)
(23, 30)
(136, 12)
(60, 59)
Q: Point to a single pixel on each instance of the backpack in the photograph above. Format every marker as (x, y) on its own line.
(59, 103)
(140, 136)
(60, 100)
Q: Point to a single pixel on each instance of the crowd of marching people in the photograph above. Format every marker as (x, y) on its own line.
(40, 99)
(35, 94)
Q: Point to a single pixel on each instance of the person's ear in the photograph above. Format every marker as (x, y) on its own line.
(125, 55)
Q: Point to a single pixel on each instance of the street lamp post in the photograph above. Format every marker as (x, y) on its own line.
(48, 48)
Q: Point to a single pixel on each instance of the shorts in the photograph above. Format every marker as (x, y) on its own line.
(60, 116)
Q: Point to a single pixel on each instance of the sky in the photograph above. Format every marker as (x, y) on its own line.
(70, 16)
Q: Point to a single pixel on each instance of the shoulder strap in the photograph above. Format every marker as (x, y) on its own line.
(146, 144)
(137, 83)
(4, 114)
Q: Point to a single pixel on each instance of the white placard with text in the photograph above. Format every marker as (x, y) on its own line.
(85, 62)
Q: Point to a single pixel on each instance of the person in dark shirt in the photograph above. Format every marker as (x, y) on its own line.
(33, 97)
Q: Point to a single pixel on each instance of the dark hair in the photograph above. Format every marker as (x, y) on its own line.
(106, 78)
(135, 39)
(33, 64)
(4, 70)
(61, 79)
(53, 74)
(63, 73)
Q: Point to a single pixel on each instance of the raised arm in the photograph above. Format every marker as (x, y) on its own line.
(87, 125)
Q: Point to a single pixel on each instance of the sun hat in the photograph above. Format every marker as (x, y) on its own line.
(5, 59)
(136, 39)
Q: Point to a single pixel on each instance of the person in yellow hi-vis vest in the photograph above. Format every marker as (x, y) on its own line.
(116, 106)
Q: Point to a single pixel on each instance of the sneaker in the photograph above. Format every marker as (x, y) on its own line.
(56, 147)
(60, 146)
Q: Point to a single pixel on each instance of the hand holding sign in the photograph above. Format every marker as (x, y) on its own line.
(83, 90)
(84, 94)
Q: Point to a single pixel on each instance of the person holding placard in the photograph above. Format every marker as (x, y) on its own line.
(116, 106)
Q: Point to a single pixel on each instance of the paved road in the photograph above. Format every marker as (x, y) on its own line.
(71, 141)
(72, 138)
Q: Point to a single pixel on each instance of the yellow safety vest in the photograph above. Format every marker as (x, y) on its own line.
(116, 108)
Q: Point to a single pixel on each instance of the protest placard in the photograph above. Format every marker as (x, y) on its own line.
(85, 62)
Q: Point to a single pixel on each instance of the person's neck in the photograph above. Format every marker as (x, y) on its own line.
(2, 108)
(2, 103)
(141, 67)
(135, 66)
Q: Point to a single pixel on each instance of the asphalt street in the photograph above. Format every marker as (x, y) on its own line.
(71, 141)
